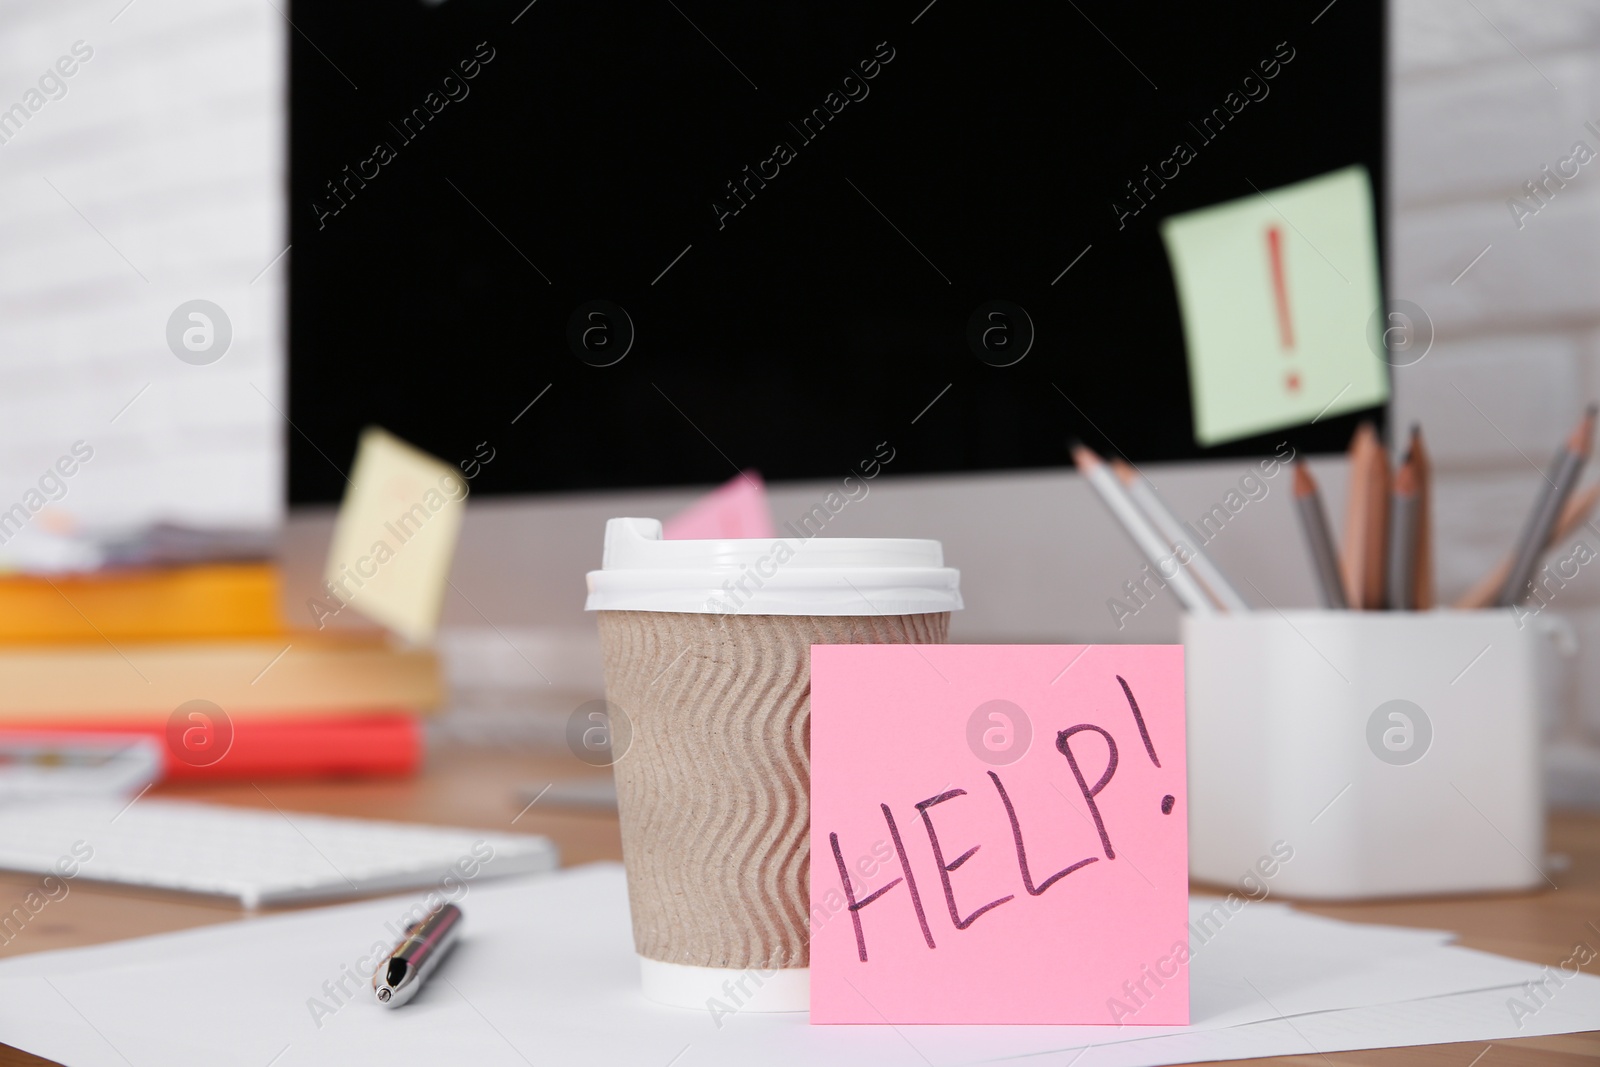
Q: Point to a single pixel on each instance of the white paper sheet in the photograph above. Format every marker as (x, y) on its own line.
(546, 973)
(1481, 1016)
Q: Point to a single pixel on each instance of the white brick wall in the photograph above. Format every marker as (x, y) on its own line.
(166, 152)
(1485, 94)
(1439, 117)
(1450, 35)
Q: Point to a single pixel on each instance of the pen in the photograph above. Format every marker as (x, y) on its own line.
(425, 943)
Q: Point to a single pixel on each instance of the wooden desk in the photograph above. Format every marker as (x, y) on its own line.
(479, 788)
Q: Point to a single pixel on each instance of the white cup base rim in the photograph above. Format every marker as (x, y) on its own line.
(720, 989)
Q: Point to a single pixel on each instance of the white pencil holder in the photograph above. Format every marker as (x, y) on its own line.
(1389, 753)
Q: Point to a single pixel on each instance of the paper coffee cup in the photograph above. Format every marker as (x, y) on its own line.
(707, 648)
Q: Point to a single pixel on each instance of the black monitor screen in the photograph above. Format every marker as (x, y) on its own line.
(621, 245)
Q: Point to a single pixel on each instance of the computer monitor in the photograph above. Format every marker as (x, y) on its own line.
(650, 245)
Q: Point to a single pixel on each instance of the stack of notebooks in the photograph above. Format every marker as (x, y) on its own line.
(123, 651)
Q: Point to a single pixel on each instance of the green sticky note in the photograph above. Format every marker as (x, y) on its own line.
(1276, 291)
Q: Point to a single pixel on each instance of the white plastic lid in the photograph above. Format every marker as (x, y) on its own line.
(770, 576)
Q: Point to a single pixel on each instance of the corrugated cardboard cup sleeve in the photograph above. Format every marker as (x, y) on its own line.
(713, 774)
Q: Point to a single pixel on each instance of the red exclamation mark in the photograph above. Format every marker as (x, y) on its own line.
(1280, 292)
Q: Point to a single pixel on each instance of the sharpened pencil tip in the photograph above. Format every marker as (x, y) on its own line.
(1304, 484)
(1582, 439)
(1415, 449)
(1405, 480)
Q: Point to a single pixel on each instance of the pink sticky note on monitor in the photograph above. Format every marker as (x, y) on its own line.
(998, 834)
(735, 509)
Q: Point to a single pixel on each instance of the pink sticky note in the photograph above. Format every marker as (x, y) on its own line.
(998, 834)
(735, 509)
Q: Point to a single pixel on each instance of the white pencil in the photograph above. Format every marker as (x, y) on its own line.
(1171, 527)
(1139, 529)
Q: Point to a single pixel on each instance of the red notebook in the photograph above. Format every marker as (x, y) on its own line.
(354, 746)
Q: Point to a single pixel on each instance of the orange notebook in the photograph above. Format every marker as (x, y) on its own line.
(146, 604)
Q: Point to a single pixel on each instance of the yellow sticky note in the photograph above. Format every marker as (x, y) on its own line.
(1276, 292)
(396, 534)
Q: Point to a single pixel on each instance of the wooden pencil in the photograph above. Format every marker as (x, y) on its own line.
(1319, 543)
(1560, 480)
(1423, 595)
(1174, 530)
(1138, 528)
(1573, 515)
(1352, 555)
(1379, 499)
(1401, 586)
(1366, 531)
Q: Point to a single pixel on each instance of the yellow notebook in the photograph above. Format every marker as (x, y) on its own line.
(294, 674)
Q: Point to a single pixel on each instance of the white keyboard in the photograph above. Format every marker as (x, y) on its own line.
(256, 856)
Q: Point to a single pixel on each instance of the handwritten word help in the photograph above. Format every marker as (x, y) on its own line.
(1006, 885)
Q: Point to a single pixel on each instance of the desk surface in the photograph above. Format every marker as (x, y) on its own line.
(479, 788)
